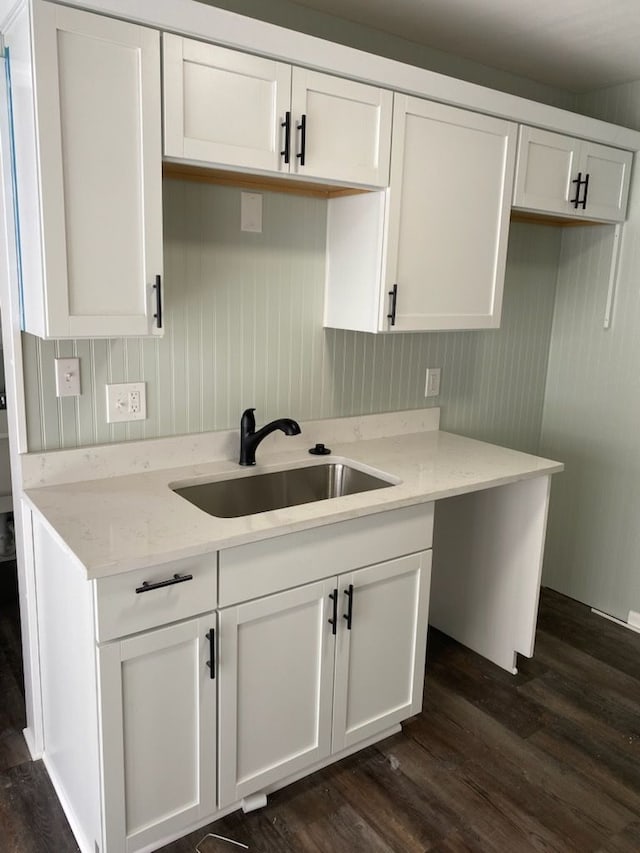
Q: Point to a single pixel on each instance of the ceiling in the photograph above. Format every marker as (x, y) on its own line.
(576, 45)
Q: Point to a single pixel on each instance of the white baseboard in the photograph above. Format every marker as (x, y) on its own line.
(82, 841)
(31, 744)
(635, 628)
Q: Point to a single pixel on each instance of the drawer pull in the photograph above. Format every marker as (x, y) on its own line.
(147, 587)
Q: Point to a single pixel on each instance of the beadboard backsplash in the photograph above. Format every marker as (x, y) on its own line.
(244, 328)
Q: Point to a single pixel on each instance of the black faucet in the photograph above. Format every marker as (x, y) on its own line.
(250, 439)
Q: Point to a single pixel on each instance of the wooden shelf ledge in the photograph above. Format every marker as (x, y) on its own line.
(256, 183)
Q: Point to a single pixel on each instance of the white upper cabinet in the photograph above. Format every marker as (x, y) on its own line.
(223, 107)
(90, 170)
(430, 253)
(226, 108)
(571, 177)
(341, 129)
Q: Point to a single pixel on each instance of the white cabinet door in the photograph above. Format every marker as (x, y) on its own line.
(609, 173)
(158, 721)
(97, 89)
(448, 217)
(380, 657)
(276, 675)
(227, 108)
(571, 177)
(223, 107)
(342, 127)
(547, 165)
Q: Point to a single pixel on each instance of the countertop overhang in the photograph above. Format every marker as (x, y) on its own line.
(120, 523)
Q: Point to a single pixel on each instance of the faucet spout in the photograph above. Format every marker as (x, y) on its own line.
(250, 438)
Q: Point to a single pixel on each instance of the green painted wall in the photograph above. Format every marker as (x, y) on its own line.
(285, 13)
(592, 407)
(244, 327)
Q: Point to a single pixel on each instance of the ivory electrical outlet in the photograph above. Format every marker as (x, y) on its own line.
(432, 382)
(67, 377)
(251, 212)
(126, 402)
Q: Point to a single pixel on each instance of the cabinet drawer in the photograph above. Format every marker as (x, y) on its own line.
(120, 610)
(262, 568)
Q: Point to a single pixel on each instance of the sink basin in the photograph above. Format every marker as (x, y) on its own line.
(263, 492)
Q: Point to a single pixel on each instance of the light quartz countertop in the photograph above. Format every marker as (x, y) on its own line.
(120, 523)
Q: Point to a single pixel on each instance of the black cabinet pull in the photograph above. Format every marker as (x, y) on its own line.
(286, 152)
(302, 127)
(586, 191)
(334, 620)
(349, 614)
(147, 587)
(211, 636)
(158, 289)
(393, 293)
(578, 182)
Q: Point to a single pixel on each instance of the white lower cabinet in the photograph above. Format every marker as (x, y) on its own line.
(313, 670)
(380, 659)
(158, 725)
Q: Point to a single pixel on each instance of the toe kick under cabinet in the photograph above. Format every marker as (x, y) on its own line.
(170, 693)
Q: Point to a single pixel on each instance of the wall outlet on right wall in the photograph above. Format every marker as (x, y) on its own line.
(432, 382)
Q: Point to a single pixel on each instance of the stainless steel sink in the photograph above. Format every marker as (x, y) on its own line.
(264, 492)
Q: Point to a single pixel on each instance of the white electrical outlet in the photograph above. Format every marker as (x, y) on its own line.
(126, 402)
(432, 382)
(67, 377)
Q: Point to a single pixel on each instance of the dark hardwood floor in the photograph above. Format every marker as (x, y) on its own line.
(548, 760)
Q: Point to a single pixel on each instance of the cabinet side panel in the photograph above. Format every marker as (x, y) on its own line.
(18, 40)
(69, 699)
(486, 584)
(354, 260)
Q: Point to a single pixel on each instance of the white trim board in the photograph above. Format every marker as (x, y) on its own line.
(191, 18)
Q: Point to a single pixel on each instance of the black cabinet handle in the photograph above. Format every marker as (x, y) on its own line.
(334, 620)
(302, 127)
(158, 289)
(393, 293)
(349, 614)
(580, 182)
(211, 636)
(286, 152)
(586, 191)
(147, 587)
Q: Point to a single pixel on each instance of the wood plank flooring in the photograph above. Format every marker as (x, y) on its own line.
(548, 760)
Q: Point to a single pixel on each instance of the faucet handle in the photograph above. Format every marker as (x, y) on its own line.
(248, 421)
